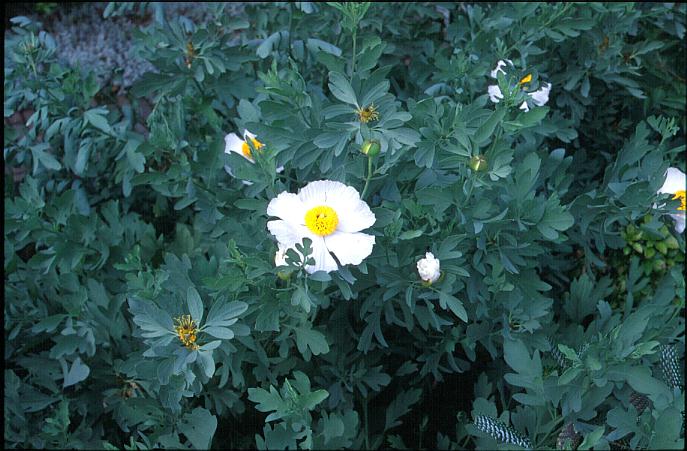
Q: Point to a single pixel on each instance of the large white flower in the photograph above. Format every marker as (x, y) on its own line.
(428, 268)
(330, 214)
(675, 184)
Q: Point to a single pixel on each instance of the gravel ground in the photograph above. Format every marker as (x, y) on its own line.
(85, 38)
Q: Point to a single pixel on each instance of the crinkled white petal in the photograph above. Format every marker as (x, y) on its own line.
(280, 255)
(524, 107)
(289, 207)
(285, 233)
(675, 181)
(494, 73)
(232, 143)
(679, 219)
(429, 268)
(350, 248)
(353, 213)
(247, 134)
(494, 92)
(541, 96)
(323, 260)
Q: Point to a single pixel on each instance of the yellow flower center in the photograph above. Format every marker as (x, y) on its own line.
(682, 195)
(367, 114)
(321, 220)
(186, 330)
(245, 148)
(526, 79)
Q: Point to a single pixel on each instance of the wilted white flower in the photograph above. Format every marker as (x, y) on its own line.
(675, 184)
(539, 97)
(428, 268)
(331, 215)
(501, 63)
(232, 143)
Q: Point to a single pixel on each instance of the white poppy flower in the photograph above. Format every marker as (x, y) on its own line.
(675, 184)
(331, 215)
(501, 63)
(428, 268)
(495, 94)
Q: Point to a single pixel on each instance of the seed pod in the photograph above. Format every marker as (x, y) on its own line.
(659, 265)
(661, 247)
(671, 242)
(478, 163)
(371, 148)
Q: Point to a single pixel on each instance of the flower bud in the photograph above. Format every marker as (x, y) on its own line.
(428, 268)
(478, 163)
(371, 148)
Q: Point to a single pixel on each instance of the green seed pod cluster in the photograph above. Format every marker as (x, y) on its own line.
(657, 255)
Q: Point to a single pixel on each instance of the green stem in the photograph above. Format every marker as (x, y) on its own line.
(472, 185)
(355, 34)
(367, 179)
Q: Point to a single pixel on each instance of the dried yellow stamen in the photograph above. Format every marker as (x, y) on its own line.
(321, 220)
(367, 114)
(186, 329)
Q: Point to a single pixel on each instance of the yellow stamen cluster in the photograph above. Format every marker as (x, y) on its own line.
(367, 114)
(187, 329)
(682, 195)
(526, 79)
(245, 148)
(321, 220)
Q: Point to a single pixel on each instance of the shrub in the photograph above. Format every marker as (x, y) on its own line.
(143, 304)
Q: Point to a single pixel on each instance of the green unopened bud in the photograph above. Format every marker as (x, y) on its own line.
(478, 163)
(626, 250)
(371, 148)
(649, 252)
(637, 247)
